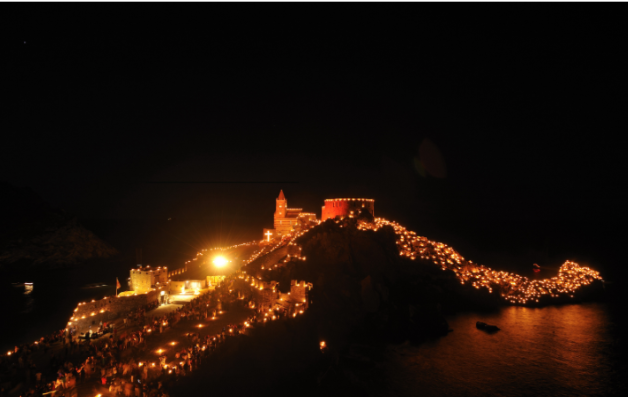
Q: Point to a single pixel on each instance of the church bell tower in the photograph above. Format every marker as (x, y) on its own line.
(280, 206)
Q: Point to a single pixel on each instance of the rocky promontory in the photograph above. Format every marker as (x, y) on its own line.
(364, 296)
(34, 234)
(361, 284)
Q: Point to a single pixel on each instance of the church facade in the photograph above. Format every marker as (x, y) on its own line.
(285, 218)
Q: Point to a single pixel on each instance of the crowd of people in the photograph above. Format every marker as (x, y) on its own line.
(60, 363)
(57, 363)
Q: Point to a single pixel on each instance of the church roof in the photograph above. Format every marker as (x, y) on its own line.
(281, 196)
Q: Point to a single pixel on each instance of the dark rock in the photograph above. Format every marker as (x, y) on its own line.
(362, 283)
(486, 327)
(34, 234)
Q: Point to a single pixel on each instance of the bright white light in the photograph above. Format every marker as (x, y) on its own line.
(220, 261)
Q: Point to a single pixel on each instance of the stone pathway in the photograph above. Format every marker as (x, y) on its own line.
(177, 335)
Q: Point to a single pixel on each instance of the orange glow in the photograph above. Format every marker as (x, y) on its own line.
(512, 287)
(220, 261)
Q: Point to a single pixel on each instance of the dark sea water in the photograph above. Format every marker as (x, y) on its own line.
(568, 350)
(27, 316)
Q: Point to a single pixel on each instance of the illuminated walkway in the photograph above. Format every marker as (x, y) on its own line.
(512, 287)
(172, 340)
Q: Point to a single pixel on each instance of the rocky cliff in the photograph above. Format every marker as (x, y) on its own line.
(32, 233)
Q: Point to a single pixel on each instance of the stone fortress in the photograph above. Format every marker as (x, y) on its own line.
(145, 279)
(346, 207)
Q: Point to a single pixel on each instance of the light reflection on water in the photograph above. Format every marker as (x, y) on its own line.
(573, 350)
(44, 308)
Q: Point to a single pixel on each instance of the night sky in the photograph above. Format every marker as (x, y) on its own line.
(454, 118)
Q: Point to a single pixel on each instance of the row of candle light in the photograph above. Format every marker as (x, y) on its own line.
(222, 249)
(252, 258)
(291, 241)
(513, 287)
(349, 199)
(73, 318)
(246, 324)
(268, 249)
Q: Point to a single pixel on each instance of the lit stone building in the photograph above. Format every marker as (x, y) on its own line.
(144, 279)
(346, 207)
(285, 218)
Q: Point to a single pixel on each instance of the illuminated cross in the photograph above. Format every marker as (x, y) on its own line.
(268, 233)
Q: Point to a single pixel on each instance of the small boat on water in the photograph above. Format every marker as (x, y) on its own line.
(486, 327)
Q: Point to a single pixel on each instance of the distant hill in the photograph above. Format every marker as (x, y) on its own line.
(32, 233)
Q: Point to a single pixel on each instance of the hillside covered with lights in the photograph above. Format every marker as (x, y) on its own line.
(372, 281)
(372, 269)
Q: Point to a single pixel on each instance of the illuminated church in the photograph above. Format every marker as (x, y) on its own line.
(286, 219)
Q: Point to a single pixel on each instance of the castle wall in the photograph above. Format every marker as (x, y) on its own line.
(144, 279)
(298, 292)
(307, 216)
(343, 207)
(91, 313)
(213, 281)
(265, 294)
(176, 287)
(176, 272)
